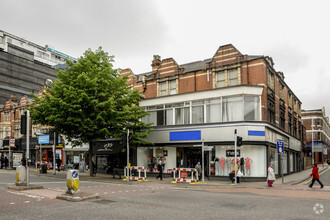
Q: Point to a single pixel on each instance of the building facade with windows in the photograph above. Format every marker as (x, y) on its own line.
(317, 134)
(24, 66)
(206, 101)
(10, 129)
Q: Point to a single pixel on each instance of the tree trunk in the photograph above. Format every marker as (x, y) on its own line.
(91, 164)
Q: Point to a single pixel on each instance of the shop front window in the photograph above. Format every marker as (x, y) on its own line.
(274, 159)
(252, 161)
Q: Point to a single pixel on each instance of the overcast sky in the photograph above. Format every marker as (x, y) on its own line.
(295, 33)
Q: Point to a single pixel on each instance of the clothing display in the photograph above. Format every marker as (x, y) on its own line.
(242, 165)
(248, 162)
(217, 166)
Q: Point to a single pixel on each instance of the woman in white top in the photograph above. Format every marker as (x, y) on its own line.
(271, 175)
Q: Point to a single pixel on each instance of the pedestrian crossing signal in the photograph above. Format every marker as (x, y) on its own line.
(124, 139)
(23, 124)
(239, 141)
(130, 138)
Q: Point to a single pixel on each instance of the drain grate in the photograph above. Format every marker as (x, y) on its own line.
(103, 201)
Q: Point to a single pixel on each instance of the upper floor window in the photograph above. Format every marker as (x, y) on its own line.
(231, 75)
(220, 79)
(7, 116)
(7, 132)
(270, 79)
(221, 109)
(167, 88)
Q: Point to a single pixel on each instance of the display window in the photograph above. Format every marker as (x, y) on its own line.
(291, 162)
(285, 162)
(251, 160)
(274, 159)
(148, 157)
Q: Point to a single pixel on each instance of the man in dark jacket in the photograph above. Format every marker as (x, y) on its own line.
(58, 163)
(315, 174)
(160, 169)
(6, 162)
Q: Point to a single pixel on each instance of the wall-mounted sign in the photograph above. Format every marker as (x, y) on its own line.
(107, 147)
(43, 139)
(231, 153)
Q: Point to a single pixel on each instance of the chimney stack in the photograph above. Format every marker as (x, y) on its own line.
(155, 63)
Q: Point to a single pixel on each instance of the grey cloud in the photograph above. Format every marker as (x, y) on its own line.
(123, 28)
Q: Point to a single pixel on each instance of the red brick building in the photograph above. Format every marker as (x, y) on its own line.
(317, 134)
(207, 100)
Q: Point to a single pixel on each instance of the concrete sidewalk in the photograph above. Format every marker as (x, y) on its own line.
(291, 179)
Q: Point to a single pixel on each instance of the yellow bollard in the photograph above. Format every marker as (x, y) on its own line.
(72, 181)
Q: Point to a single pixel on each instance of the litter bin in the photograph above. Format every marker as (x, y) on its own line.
(43, 168)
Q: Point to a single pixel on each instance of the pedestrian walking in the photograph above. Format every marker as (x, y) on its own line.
(316, 176)
(2, 162)
(198, 167)
(6, 162)
(58, 163)
(160, 169)
(271, 176)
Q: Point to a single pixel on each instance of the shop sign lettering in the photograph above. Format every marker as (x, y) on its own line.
(231, 153)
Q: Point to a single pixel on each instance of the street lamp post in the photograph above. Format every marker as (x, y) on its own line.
(312, 141)
(54, 147)
(27, 147)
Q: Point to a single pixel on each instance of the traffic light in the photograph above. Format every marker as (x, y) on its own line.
(124, 139)
(239, 141)
(23, 124)
(130, 138)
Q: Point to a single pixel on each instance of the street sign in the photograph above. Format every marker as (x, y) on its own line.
(208, 148)
(12, 142)
(280, 146)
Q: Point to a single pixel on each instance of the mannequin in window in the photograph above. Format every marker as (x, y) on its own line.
(242, 165)
(228, 164)
(248, 163)
(222, 166)
(217, 166)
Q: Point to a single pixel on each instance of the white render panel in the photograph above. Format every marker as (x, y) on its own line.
(200, 95)
(210, 133)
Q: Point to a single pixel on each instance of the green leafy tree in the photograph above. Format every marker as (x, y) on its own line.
(90, 102)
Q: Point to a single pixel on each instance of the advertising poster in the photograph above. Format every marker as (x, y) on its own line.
(17, 157)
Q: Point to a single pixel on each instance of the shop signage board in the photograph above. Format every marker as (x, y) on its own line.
(231, 153)
(107, 147)
(43, 139)
(318, 147)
